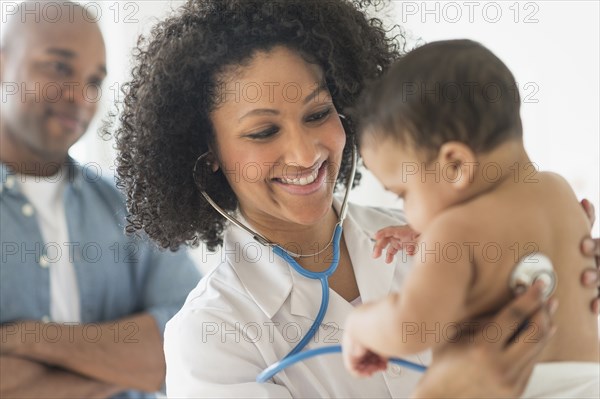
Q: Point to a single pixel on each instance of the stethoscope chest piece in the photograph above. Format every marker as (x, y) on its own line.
(532, 268)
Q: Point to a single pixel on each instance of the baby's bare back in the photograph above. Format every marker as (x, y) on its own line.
(518, 219)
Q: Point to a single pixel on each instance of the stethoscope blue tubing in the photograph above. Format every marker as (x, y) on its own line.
(322, 276)
(295, 355)
(275, 368)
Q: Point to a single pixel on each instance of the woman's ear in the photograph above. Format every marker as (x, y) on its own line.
(214, 165)
(458, 164)
(211, 160)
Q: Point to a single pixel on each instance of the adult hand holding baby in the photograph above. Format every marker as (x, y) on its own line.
(591, 247)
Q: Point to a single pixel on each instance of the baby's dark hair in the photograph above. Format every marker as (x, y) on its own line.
(164, 121)
(455, 90)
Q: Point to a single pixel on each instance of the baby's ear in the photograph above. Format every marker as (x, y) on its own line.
(458, 164)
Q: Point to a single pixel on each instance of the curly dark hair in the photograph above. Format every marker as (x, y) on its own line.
(164, 120)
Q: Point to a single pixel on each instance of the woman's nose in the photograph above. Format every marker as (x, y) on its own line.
(302, 149)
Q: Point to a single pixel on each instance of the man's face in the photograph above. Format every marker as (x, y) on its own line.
(55, 71)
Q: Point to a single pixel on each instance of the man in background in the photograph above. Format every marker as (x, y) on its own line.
(82, 306)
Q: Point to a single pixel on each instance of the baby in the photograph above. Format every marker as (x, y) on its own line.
(442, 130)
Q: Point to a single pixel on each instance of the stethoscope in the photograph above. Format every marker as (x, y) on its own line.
(296, 354)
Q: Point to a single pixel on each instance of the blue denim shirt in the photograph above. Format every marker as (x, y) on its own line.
(117, 275)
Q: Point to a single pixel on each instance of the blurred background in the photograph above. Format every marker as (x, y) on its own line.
(552, 47)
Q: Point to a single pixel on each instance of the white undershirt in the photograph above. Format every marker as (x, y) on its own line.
(46, 195)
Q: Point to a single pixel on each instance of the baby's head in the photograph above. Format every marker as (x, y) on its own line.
(430, 119)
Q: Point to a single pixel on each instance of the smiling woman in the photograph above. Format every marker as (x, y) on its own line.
(175, 119)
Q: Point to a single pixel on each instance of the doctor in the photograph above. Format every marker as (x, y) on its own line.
(249, 97)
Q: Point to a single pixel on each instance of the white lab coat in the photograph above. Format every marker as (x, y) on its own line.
(252, 310)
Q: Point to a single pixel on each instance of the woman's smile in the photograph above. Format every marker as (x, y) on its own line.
(304, 183)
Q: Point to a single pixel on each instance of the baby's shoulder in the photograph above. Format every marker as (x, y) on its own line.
(553, 182)
(457, 223)
(545, 192)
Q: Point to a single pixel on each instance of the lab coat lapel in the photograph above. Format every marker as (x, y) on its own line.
(374, 277)
(266, 277)
(305, 300)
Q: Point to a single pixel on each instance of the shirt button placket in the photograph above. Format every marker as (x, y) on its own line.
(44, 262)
(10, 182)
(27, 210)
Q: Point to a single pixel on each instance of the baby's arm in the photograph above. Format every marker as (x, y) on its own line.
(433, 296)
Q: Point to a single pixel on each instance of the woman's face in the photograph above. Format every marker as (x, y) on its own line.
(279, 139)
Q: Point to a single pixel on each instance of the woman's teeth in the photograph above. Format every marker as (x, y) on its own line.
(302, 181)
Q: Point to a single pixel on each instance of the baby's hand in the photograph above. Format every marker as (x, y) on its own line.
(395, 238)
(360, 361)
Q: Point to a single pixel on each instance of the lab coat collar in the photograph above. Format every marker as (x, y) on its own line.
(374, 277)
(269, 280)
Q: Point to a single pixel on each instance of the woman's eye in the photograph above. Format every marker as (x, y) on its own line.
(319, 115)
(264, 134)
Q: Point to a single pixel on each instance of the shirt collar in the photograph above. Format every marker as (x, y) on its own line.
(269, 280)
(8, 178)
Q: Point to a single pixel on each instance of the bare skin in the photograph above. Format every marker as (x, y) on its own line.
(463, 285)
(119, 354)
(30, 379)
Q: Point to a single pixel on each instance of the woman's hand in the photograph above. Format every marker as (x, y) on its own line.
(482, 366)
(591, 247)
(395, 238)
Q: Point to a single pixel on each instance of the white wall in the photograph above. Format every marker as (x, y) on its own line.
(121, 23)
(552, 47)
